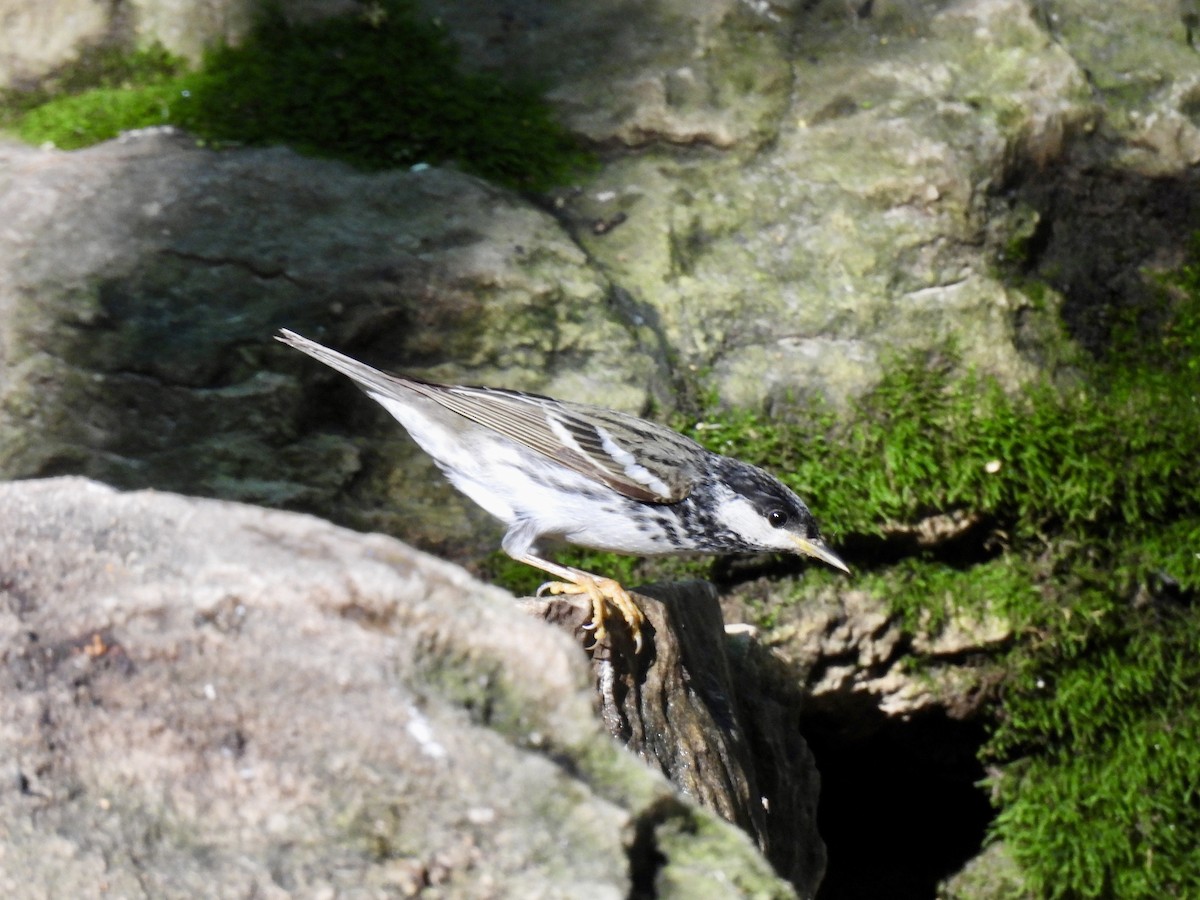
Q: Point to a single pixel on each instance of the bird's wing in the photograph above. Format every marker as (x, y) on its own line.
(637, 458)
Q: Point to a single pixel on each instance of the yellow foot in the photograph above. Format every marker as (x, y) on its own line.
(603, 592)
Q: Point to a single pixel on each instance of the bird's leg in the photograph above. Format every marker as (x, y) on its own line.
(600, 591)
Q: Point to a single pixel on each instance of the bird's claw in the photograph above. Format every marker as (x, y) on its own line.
(602, 592)
(605, 592)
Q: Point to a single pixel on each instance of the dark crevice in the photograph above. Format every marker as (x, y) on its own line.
(257, 270)
(645, 858)
(901, 808)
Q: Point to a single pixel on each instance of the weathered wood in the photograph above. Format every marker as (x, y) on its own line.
(711, 712)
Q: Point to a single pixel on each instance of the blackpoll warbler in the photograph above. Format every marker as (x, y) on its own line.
(588, 476)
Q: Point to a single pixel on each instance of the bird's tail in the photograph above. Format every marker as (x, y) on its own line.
(370, 379)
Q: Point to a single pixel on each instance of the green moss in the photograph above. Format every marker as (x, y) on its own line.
(707, 858)
(925, 442)
(926, 593)
(1102, 801)
(100, 115)
(96, 68)
(380, 89)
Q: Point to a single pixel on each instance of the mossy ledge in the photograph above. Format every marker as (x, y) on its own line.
(1085, 504)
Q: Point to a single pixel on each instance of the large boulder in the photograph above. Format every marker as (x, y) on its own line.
(201, 698)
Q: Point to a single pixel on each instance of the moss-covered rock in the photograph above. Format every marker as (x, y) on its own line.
(273, 704)
(378, 88)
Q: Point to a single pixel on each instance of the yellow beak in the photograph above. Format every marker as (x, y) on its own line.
(816, 548)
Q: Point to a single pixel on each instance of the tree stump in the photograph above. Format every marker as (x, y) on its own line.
(714, 713)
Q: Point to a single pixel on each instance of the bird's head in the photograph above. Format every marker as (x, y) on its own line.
(764, 515)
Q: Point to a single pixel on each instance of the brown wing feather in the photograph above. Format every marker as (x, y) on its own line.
(525, 418)
(668, 458)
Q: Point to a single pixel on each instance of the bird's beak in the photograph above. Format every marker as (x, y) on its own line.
(816, 548)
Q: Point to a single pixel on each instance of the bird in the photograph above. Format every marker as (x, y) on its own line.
(588, 476)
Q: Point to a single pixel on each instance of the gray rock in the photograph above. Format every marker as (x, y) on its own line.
(990, 875)
(846, 647)
(206, 699)
(1138, 56)
(39, 37)
(713, 72)
(854, 213)
(708, 72)
(861, 231)
(141, 280)
(42, 37)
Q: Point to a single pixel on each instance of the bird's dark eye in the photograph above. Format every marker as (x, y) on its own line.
(777, 518)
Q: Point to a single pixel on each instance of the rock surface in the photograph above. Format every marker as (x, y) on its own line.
(41, 37)
(871, 181)
(141, 280)
(694, 72)
(863, 230)
(789, 193)
(870, 152)
(847, 648)
(206, 699)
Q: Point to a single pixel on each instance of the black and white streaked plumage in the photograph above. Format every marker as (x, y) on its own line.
(588, 476)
